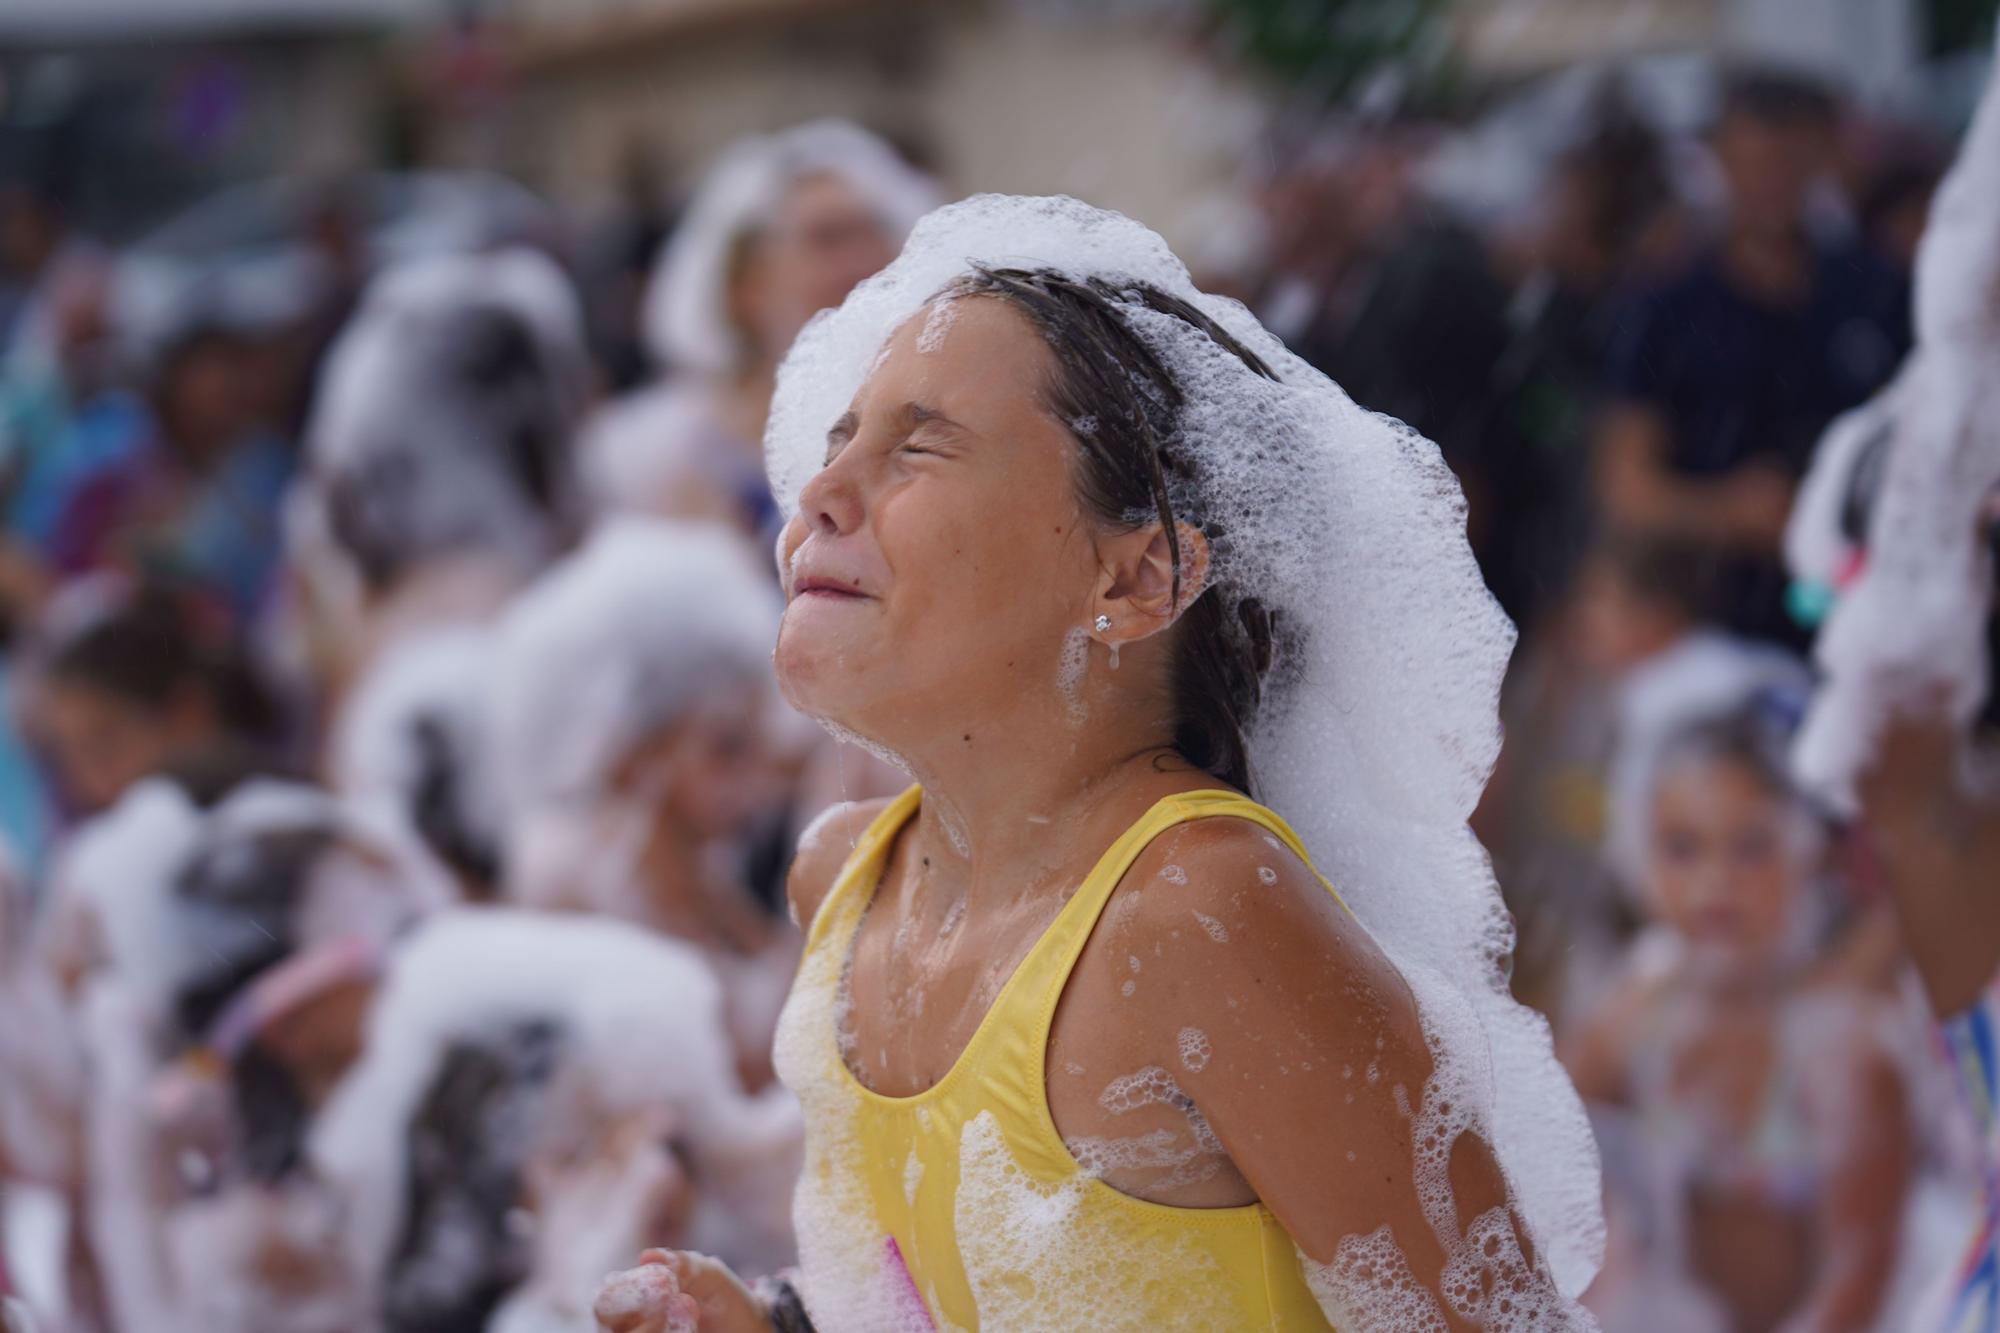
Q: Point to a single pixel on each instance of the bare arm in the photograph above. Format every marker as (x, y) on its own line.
(1940, 844)
(1321, 1085)
(1861, 1212)
(1746, 508)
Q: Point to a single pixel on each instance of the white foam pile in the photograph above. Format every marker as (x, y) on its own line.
(639, 1016)
(1914, 621)
(424, 396)
(423, 703)
(617, 640)
(1380, 725)
(124, 866)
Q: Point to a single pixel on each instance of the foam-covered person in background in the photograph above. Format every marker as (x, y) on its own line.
(234, 936)
(1754, 1110)
(536, 1096)
(438, 476)
(634, 737)
(782, 227)
(1082, 1037)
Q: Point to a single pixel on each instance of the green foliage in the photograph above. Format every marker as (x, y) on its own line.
(1953, 25)
(1331, 50)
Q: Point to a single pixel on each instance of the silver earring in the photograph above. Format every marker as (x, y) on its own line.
(1103, 624)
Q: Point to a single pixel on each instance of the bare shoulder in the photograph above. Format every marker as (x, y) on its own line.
(1234, 877)
(823, 849)
(1243, 924)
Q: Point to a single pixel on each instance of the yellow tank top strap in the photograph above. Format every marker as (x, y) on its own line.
(1072, 929)
(856, 882)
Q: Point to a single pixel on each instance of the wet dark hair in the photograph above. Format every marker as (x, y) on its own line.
(151, 648)
(1127, 464)
(458, 1255)
(438, 808)
(1623, 166)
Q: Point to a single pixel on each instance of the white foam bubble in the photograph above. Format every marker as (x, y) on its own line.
(937, 325)
(1213, 926)
(1195, 1050)
(1070, 670)
(1368, 1288)
(1173, 874)
(1915, 620)
(623, 637)
(1016, 1239)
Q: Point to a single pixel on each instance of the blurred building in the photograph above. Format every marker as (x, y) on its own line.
(1098, 100)
(143, 106)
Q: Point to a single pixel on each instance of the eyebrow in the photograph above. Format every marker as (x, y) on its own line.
(841, 431)
(922, 414)
(914, 413)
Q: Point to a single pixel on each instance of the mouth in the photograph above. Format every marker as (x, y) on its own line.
(829, 589)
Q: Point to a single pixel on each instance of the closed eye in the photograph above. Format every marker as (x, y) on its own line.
(838, 434)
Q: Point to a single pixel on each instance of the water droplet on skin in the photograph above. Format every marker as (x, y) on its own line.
(1267, 875)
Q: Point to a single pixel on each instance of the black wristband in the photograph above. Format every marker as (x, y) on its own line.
(788, 1312)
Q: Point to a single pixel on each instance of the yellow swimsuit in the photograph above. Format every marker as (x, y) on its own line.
(960, 1207)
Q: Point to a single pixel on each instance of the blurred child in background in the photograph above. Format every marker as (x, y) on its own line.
(1758, 1140)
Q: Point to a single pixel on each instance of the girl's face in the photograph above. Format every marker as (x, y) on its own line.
(939, 561)
(1726, 870)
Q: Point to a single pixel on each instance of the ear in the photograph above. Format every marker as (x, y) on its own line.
(1136, 591)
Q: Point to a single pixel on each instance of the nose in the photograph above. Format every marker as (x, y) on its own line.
(831, 503)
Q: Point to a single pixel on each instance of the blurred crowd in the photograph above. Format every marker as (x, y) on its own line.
(397, 799)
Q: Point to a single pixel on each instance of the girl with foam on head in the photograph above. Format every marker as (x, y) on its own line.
(1747, 1094)
(1083, 1036)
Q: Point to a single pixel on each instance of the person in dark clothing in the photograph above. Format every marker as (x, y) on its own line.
(1610, 211)
(1721, 379)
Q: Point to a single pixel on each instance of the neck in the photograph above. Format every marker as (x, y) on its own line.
(1012, 790)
